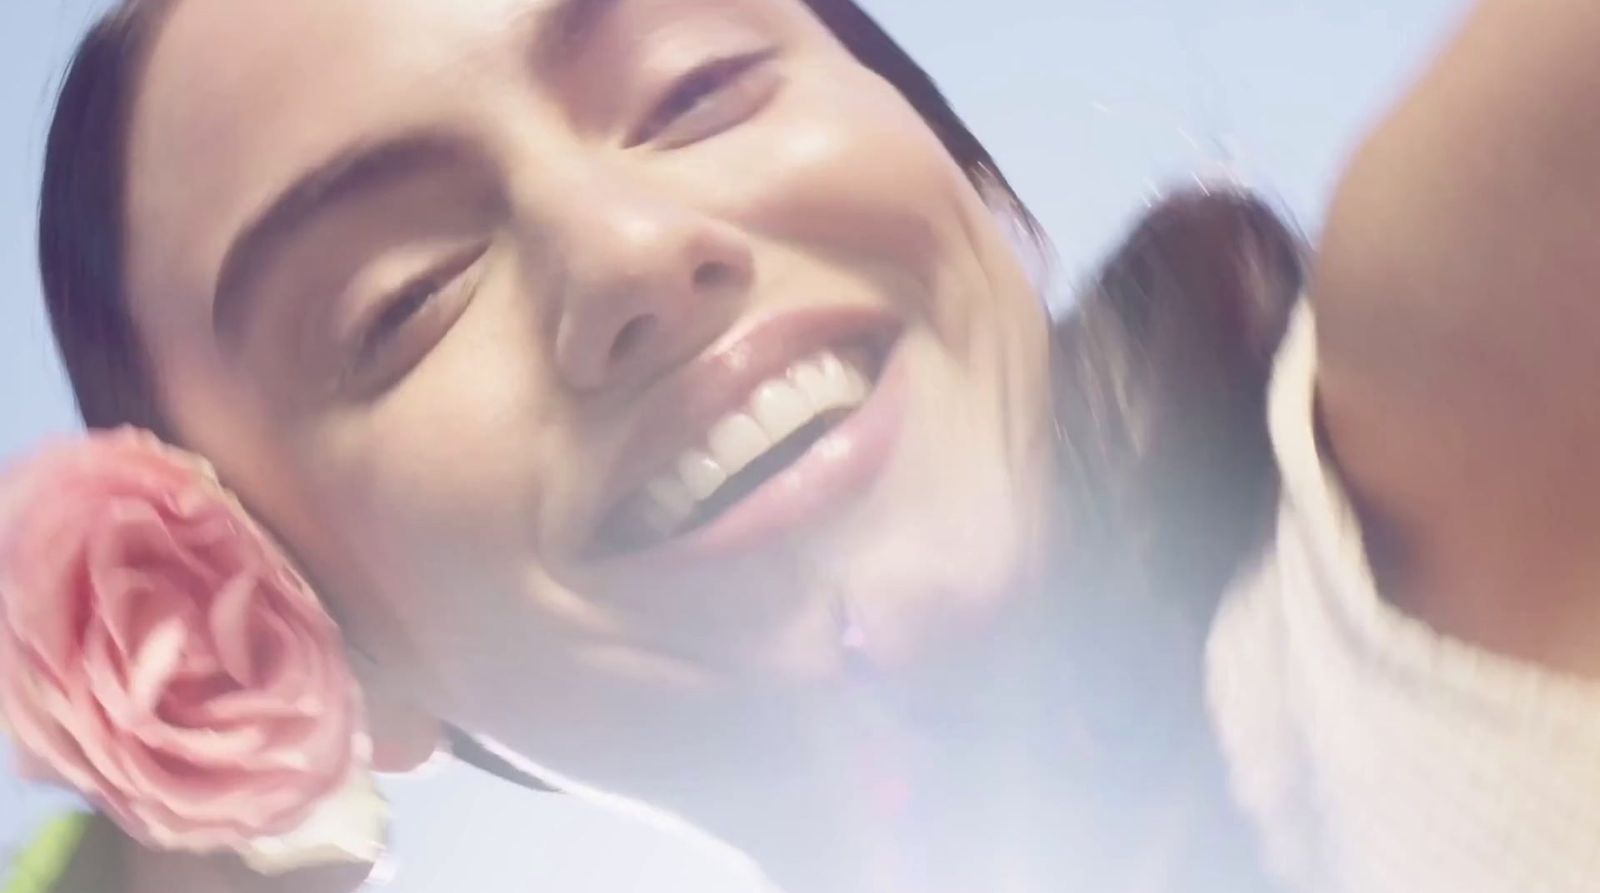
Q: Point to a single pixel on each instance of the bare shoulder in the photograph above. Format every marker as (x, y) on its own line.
(1458, 299)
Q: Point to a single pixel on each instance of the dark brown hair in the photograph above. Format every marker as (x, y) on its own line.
(82, 207)
(1161, 367)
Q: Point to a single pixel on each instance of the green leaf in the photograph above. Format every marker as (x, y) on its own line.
(40, 867)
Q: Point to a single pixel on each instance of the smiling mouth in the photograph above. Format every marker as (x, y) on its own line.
(783, 417)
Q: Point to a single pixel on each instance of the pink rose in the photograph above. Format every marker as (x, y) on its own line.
(159, 654)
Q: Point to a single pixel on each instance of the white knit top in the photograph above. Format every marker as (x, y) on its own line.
(1373, 753)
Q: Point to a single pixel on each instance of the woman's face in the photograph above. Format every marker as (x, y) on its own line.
(608, 363)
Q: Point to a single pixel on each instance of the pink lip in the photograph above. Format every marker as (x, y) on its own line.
(834, 470)
(837, 469)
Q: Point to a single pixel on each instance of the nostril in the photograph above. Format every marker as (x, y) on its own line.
(712, 275)
(631, 336)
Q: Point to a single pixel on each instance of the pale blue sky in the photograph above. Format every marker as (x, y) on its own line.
(1090, 105)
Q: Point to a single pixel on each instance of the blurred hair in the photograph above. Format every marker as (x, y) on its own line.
(82, 214)
(1160, 388)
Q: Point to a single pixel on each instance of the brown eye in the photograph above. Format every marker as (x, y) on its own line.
(407, 323)
(399, 310)
(709, 100)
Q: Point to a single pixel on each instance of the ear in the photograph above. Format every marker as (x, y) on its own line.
(405, 734)
(403, 738)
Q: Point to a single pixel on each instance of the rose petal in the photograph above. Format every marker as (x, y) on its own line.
(132, 554)
(286, 660)
(230, 628)
(156, 661)
(224, 751)
(188, 788)
(46, 607)
(260, 803)
(348, 826)
(107, 676)
(82, 716)
(128, 602)
(43, 742)
(238, 707)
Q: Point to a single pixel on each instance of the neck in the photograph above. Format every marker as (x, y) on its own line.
(1055, 748)
(1045, 757)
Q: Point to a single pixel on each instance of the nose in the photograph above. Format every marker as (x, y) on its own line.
(648, 283)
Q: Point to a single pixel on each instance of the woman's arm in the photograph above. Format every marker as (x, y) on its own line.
(1458, 297)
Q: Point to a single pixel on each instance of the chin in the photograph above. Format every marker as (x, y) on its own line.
(917, 602)
(937, 574)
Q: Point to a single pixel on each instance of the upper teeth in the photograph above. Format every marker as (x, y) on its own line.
(776, 409)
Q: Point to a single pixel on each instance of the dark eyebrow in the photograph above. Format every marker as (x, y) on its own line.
(359, 169)
(564, 28)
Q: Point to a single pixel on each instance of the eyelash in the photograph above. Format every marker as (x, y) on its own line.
(692, 89)
(399, 310)
(402, 307)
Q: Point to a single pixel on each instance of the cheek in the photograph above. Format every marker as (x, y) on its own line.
(446, 468)
(841, 166)
(845, 169)
(436, 496)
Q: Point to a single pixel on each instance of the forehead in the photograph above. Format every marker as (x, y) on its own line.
(237, 97)
(215, 63)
